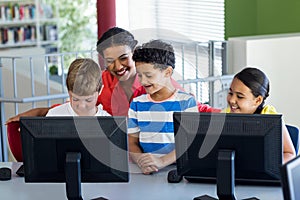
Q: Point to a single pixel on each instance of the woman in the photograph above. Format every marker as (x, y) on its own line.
(120, 80)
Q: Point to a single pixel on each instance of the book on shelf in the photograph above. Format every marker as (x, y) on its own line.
(46, 11)
(16, 12)
(3, 35)
(14, 35)
(21, 11)
(49, 32)
(2, 13)
(19, 24)
(52, 49)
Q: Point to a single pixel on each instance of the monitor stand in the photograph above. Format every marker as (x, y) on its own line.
(73, 177)
(225, 177)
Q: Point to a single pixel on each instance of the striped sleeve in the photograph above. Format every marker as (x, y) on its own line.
(132, 118)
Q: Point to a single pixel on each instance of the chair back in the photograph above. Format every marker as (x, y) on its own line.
(294, 134)
(14, 140)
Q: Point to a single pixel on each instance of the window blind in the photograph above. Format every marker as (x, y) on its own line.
(198, 20)
(188, 25)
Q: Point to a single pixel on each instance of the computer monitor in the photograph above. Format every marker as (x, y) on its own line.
(228, 149)
(74, 150)
(290, 179)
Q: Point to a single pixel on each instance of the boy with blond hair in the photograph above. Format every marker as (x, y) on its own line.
(83, 84)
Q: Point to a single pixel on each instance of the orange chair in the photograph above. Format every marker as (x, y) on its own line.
(14, 140)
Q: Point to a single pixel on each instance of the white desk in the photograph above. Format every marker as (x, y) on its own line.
(140, 187)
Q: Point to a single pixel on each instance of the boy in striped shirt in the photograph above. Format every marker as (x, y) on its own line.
(150, 124)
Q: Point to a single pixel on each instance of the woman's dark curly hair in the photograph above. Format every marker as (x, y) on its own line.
(115, 37)
(156, 52)
(257, 82)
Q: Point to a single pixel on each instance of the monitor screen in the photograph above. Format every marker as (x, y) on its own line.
(52, 147)
(255, 139)
(290, 179)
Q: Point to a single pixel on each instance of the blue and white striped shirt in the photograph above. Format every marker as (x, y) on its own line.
(154, 120)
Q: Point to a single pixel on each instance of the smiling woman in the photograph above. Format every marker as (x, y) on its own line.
(118, 61)
(120, 81)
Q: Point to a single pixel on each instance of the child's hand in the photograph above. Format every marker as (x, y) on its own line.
(150, 163)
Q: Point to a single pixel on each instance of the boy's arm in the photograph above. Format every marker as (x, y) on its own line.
(137, 155)
(150, 163)
(167, 159)
(32, 112)
(134, 148)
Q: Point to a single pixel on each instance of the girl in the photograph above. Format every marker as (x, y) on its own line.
(247, 94)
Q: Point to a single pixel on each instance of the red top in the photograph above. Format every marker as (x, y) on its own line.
(112, 96)
(114, 99)
(206, 108)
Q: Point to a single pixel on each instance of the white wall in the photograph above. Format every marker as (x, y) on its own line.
(279, 57)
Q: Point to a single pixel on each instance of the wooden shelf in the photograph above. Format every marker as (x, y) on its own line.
(18, 44)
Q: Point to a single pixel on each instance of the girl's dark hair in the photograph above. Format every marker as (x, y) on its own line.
(257, 82)
(115, 37)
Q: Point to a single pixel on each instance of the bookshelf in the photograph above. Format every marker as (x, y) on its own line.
(27, 23)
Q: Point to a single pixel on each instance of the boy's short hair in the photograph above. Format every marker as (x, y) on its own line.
(84, 77)
(156, 52)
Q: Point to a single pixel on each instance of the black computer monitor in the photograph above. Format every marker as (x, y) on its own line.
(74, 150)
(290, 179)
(228, 149)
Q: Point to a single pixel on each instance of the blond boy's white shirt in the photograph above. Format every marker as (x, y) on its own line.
(67, 110)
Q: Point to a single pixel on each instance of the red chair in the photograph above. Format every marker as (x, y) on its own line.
(14, 140)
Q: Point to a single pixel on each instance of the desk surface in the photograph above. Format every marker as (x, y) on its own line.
(139, 187)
